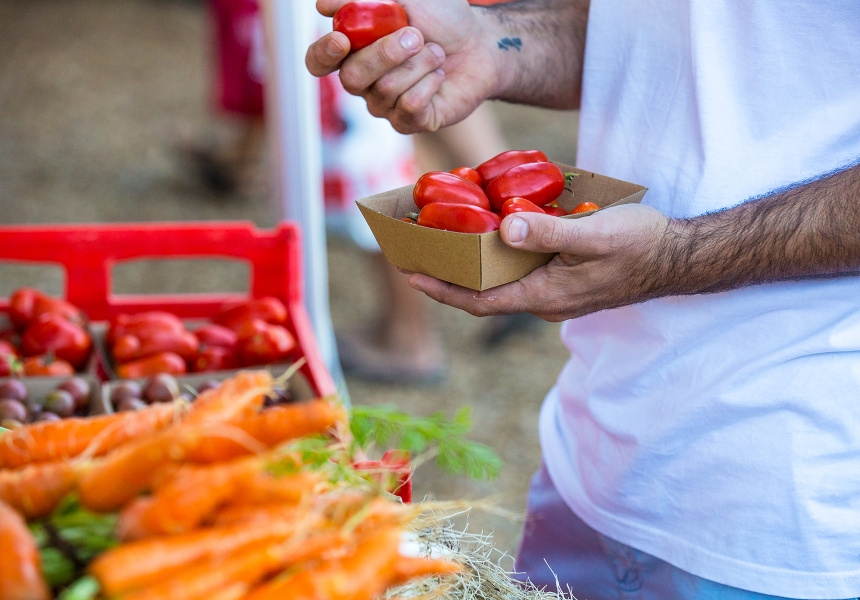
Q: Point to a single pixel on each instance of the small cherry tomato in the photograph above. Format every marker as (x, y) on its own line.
(263, 343)
(50, 332)
(268, 308)
(555, 211)
(441, 186)
(540, 182)
(47, 365)
(584, 207)
(163, 362)
(213, 334)
(462, 218)
(468, 173)
(492, 168)
(517, 204)
(142, 322)
(365, 21)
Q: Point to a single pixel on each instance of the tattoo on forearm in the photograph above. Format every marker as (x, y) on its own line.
(510, 43)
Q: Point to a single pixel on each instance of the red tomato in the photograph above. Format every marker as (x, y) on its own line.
(540, 182)
(264, 343)
(517, 204)
(365, 21)
(492, 168)
(462, 218)
(142, 323)
(555, 211)
(47, 366)
(215, 358)
(469, 174)
(163, 362)
(9, 362)
(21, 306)
(46, 304)
(440, 186)
(584, 207)
(213, 334)
(131, 347)
(269, 309)
(51, 333)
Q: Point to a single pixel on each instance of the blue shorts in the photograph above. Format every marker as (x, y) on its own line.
(557, 548)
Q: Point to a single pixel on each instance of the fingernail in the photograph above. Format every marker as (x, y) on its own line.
(333, 48)
(436, 49)
(518, 229)
(409, 40)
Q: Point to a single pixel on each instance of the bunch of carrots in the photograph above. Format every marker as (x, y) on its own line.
(218, 499)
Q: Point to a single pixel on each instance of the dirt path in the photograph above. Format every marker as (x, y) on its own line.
(93, 92)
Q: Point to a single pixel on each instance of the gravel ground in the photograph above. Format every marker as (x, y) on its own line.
(93, 93)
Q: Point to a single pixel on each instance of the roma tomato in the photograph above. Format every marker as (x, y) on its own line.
(143, 323)
(47, 365)
(47, 304)
(555, 211)
(492, 168)
(9, 362)
(21, 306)
(131, 347)
(584, 207)
(365, 21)
(263, 343)
(213, 334)
(517, 204)
(163, 362)
(268, 308)
(469, 174)
(462, 218)
(214, 358)
(51, 333)
(540, 182)
(441, 186)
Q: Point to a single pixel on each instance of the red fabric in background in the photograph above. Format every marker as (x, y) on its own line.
(237, 29)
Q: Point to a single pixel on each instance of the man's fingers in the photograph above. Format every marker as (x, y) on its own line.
(501, 300)
(379, 58)
(325, 55)
(540, 233)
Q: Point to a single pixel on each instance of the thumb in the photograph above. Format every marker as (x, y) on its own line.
(538, 233)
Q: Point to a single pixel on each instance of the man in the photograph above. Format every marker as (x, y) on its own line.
(703, 439)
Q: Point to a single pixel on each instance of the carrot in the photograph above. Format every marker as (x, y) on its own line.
(137, 564)
(20, 566)
(245, 567)
(190, 497)
(251, 515)
(361, 575)
(240, 395)
(53, 440)
(130, 524)
(36, 490)
(263, 488)
(407, 568)
(271, 427)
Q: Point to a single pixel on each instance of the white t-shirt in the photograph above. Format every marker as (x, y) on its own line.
(720, 432)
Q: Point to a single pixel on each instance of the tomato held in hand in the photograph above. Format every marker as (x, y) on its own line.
(492, 168)
(440, 186)
(584, 207)
(517, 204)
(461, 218)
(540, 182)
(365, 21)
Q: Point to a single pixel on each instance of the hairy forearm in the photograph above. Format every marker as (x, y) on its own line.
(540, 46)
(808, 230)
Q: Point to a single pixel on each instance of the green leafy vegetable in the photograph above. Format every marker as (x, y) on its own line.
(386, 426)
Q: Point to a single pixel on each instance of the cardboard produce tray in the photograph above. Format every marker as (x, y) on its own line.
(88, 253)
(476, 261)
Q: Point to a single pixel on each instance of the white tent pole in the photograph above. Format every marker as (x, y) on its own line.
(293, 117)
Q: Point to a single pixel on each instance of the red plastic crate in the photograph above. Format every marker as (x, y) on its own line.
(89, 252)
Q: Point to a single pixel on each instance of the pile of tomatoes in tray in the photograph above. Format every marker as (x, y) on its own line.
(475, 200)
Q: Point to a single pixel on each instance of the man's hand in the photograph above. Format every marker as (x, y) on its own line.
(423, 77)
(609, 259)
